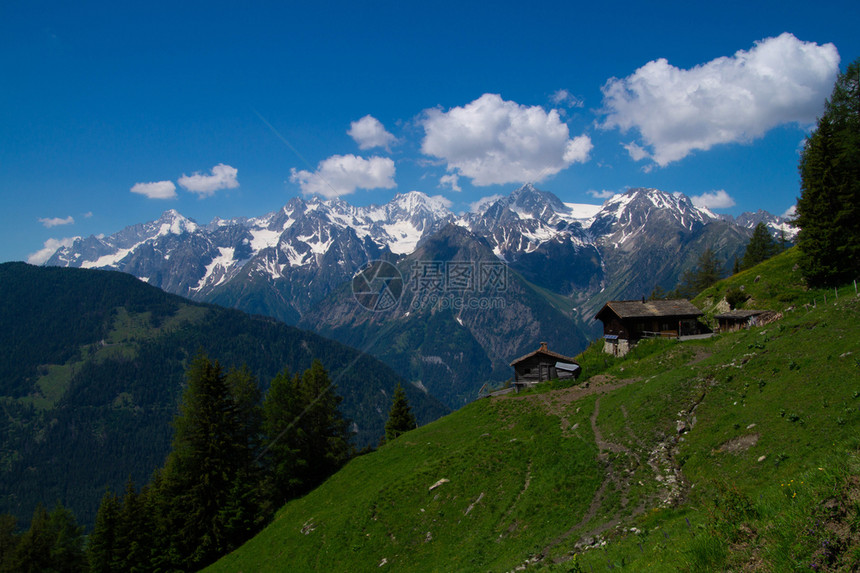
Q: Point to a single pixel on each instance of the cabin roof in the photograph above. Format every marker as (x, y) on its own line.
(649, 308)
(546, 352)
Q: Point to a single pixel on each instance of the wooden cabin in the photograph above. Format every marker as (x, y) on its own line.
(542, 365)
(625, 322)
(739, 319)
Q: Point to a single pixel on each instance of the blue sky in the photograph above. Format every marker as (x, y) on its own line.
(110, 115)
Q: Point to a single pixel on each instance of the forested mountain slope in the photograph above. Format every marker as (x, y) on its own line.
(92, 365)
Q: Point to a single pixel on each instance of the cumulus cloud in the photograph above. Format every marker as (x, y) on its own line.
(156, 190)
(730, 99)
(484, 203)
(791, 212)
(713, 200)
(57, 221)
(604, 194)
(636, 152)
(343, 174)
(368, 132)
(493, 141)
(451, 180)
(49, 248)
(564, 97)
(222, 177)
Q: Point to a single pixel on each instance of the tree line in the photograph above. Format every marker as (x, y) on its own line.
(236, 457)
(828, 210)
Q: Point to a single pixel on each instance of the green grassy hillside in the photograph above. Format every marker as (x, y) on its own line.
(734, 453)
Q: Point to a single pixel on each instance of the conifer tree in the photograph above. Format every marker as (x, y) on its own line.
(324, 438)
(101, 546)
(281, 411)
(206, 460)
(54, 542)
(760, 248)
(8, 542)
(828, 210)
(306, 435)
(708, 270)
(400, 417)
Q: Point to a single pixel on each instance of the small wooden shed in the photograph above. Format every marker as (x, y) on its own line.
(542, 365)
(625, 322)
(739, 319)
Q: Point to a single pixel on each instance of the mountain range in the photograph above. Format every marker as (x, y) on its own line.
(560, 262)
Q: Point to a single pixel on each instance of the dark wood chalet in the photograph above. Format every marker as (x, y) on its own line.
(542, 365)
(740, 319)
(625, 322)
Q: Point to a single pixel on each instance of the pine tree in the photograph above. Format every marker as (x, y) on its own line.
(101, 544)
(281, 411)
(54, 542)
(708, 270)
(8, 541)
(760, 248)
(324, 440)
(306, 436)
(206, 461)
(400, 417)
(828, 210)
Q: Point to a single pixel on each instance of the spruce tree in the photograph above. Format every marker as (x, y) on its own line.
(281, 411)
(708, 270)
(828, 210)
(760, 248)
(8, 542)
(306, 436)
(202, 470)
(101, 546)
(54, 542)
(400, 417)
(324, 435)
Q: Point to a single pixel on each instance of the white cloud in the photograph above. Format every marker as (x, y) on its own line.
(731, 99)
(636, 152)
(88, 214)
(484, 203)
(343, 174)
(368, 132)
(49, 248)
(451, 180)
(57, 221)
(713, 200)
(440, 201)
(223, 177)
(791, 212)
(156, 190)
(493, 141)
(564, 97)
(605, 194)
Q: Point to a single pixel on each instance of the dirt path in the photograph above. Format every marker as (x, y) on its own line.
(611, 456)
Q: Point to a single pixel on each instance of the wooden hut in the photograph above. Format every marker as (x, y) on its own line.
(542, 365)
(625, 322)
(739, 319)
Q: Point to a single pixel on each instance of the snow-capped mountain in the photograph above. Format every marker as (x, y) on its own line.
(296, 264)
(779, 226)
(284, 262)
(255, 263)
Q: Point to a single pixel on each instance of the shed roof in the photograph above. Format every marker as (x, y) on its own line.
(739, 314)
(545, 351)
(649, 308)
